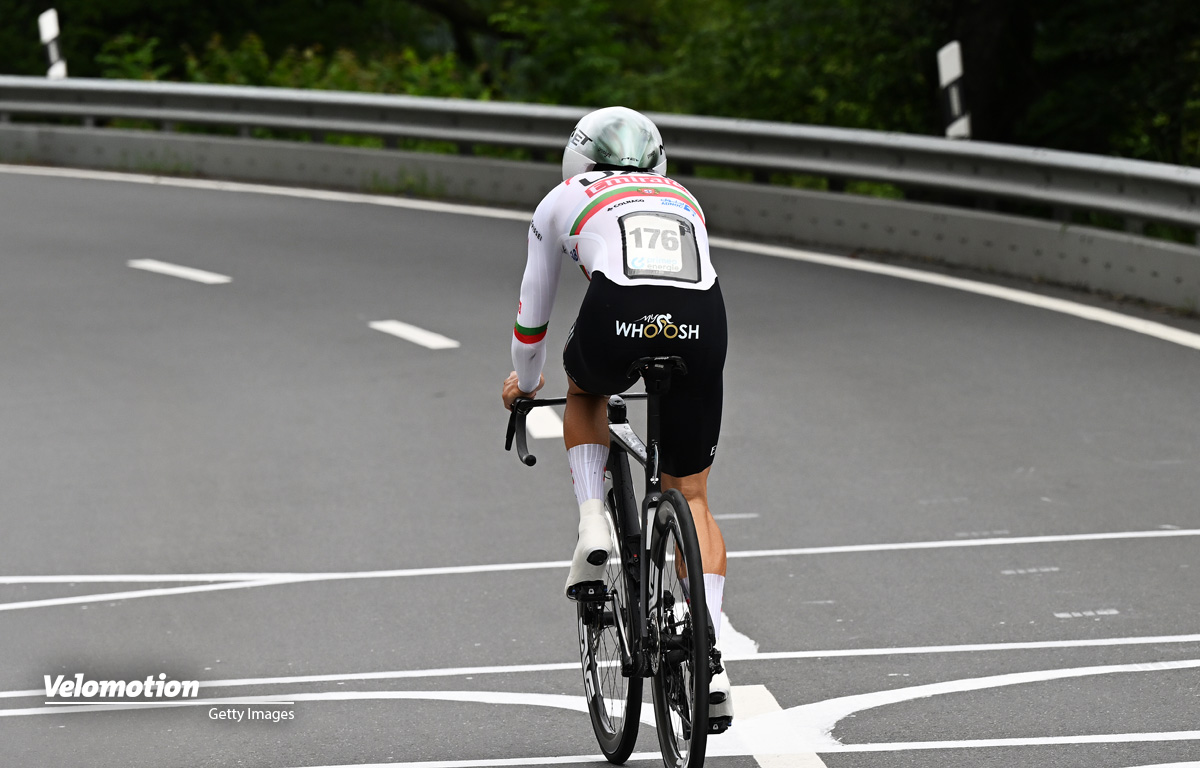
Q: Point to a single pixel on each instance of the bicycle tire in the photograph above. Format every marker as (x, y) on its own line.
(614, 697)
(680, 640)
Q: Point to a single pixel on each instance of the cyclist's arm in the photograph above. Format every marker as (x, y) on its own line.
(538, 288)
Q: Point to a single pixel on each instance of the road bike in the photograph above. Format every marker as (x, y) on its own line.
(648, 618)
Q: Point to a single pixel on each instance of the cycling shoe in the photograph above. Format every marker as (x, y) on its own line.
(592, 550)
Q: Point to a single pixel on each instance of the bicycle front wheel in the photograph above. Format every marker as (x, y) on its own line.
(614, 695)
(679, 629)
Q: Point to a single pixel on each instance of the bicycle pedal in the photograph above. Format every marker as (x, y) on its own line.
(719, 724)
(715, 667)
(588, 591)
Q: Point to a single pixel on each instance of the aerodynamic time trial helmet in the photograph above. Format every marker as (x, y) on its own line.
(613, 138)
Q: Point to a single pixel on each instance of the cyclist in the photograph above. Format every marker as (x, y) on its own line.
(640, 239)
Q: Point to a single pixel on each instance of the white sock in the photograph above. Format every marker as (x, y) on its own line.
(714, 593)
(587, 470)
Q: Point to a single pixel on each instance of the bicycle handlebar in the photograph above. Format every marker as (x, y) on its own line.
(516, 426)
(516, 422)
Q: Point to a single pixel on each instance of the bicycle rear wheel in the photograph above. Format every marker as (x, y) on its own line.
(678, 623)
(614, 696)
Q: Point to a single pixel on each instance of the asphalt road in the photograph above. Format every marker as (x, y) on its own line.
(922, 484)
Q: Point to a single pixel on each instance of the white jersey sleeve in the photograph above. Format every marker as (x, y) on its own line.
(538, 286)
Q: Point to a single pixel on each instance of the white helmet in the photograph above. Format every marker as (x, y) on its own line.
(612, 138)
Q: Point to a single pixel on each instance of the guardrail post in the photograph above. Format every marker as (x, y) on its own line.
(390, 142)
(89, 122)
(244, 131)
(5, 117)
(168, 126)
(317, 137)
(1135, 225)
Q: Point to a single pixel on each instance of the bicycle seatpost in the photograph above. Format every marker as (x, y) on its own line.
(656, 371)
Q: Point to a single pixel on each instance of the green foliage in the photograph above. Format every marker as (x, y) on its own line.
(1100, 76)
(591, 52)
(400, 72)
(128, 58)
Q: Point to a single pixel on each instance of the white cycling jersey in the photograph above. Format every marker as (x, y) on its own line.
(635, 228)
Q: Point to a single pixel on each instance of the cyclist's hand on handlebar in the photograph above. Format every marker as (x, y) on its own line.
(511, 391)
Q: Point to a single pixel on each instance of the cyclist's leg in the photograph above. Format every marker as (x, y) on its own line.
(585, 432)
(712, 544)
(713, 554)
(585, 420)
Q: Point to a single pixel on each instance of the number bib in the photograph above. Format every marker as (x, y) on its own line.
(659, 245)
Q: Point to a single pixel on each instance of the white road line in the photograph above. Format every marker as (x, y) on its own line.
(735, 644)
(1033, 645)
(736, 516)
(911, 545)
(1087, 614)
(808, 728)
(516, 762)
(543, 424)
(323, 195)
(500, 762)
(575, 703)
(175, 270)
(572, 666)
(1063, 306)
(288, 577)
(275, 579)
(1027, 571)
(753, 701)
(1035, 741)
(135, 594)
(427, 339)
(799, 731)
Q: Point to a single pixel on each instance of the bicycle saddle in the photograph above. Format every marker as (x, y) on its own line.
(657, 371)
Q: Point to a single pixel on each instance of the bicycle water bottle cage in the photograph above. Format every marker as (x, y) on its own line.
(657, 372)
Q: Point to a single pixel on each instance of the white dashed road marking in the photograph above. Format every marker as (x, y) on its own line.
(175, 270)
(1095, 314)
(543, 423)
(1027, 571)
(1086, 614)
(424, 338)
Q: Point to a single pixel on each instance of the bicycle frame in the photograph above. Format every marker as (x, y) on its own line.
(624, 442)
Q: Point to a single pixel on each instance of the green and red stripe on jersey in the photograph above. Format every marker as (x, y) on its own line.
(530, 335)
(626, 192)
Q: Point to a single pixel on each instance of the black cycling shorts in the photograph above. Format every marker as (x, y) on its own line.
(617, 324)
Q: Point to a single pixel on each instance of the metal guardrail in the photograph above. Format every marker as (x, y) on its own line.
(1138, 191)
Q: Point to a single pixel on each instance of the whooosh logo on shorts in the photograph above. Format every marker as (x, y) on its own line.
(654, 326)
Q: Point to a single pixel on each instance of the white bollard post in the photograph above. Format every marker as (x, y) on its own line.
(954, 105)
(48, 29)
